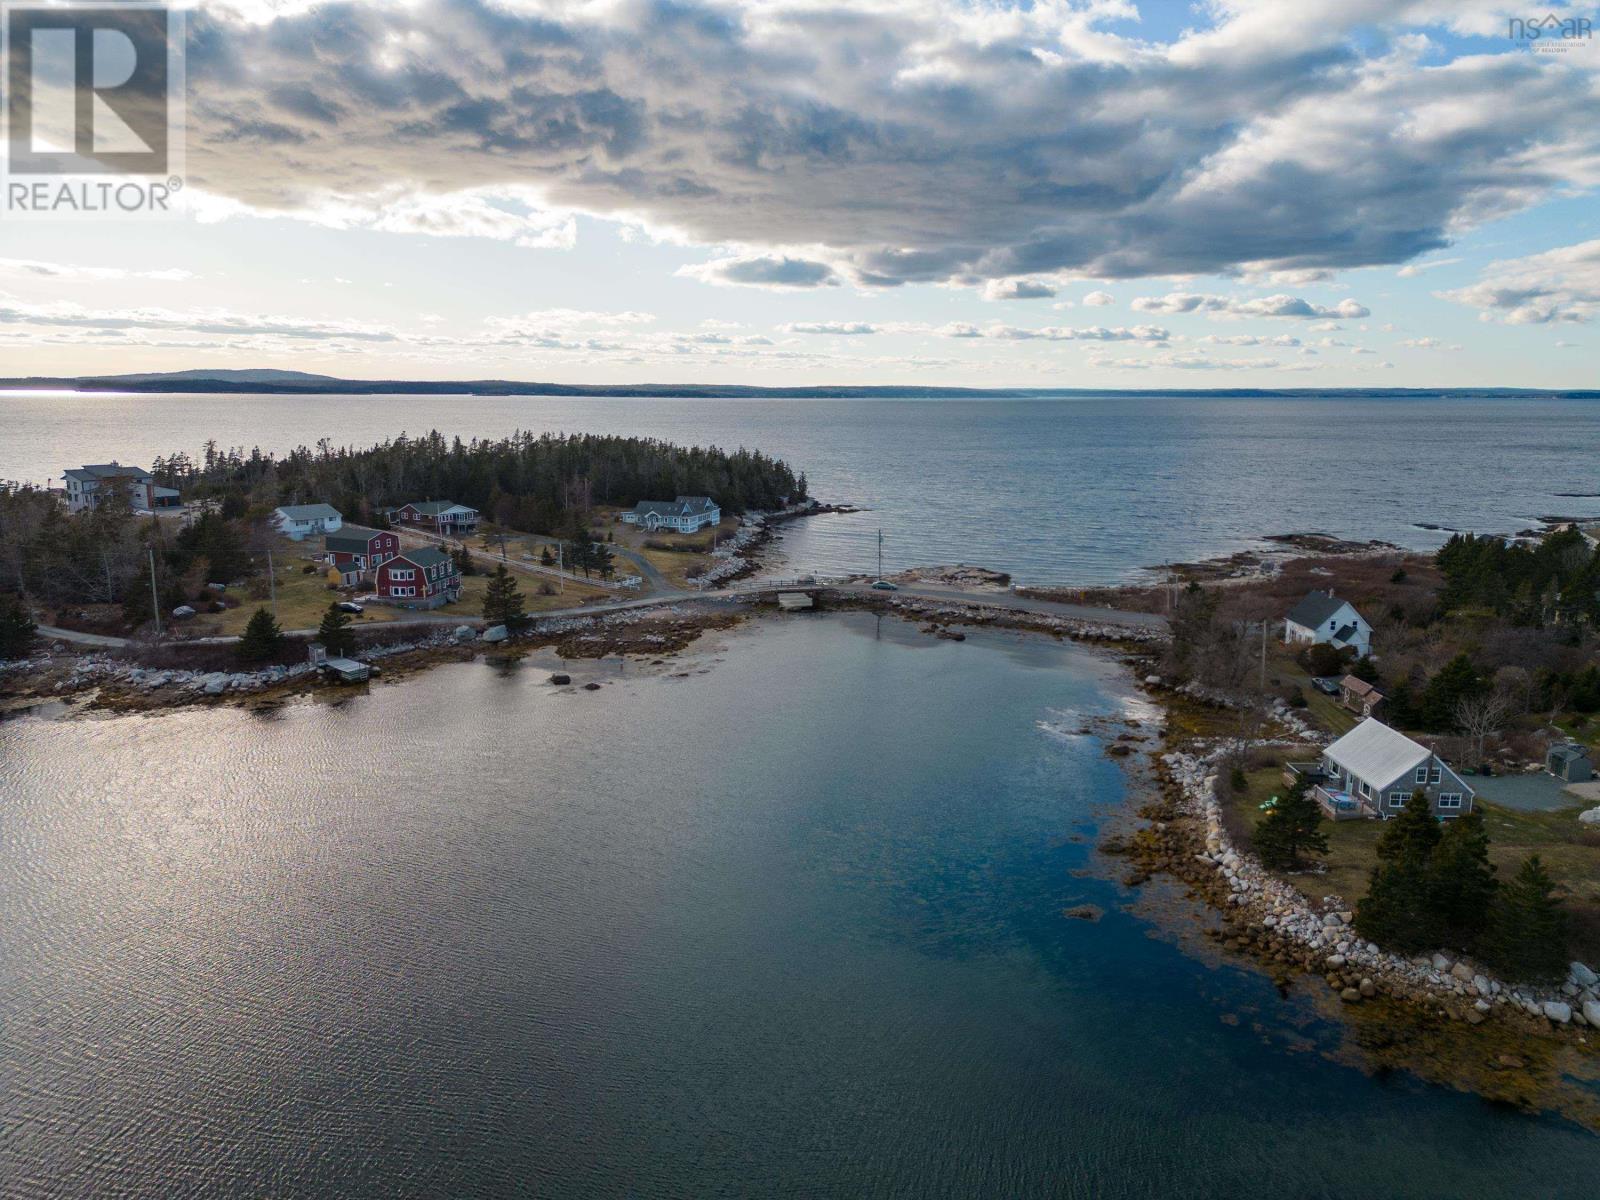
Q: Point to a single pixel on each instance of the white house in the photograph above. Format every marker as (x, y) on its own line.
(296, 521)
(88, 485)
(1323, 617)
(1374, 771)
(683, 515)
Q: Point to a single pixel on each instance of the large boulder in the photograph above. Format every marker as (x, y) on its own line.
(1583, 976)
(1557, 1011)
(495, 633)
(1591, 816)
(462, 633)
(216, 684)
(1591, 1012)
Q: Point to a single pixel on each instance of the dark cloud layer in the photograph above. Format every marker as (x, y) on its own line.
(928, 142)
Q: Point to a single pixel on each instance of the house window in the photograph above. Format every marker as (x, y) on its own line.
(1422, 774)
(1398, 799)
(1364, 788)
(1435, 775)
(1449, 799)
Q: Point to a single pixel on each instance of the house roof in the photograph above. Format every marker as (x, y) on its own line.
(1316, 608)
(1569, 752)
(1344, 633)
(1359, 687)
(352, 539)
(308, 512)
(683, 506)
(1374, 752)
(427, 556)
(91, 472)
(432, 508)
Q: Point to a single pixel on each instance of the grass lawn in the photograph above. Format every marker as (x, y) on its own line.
(1569, 851)
(1322, 709)
(692, 550)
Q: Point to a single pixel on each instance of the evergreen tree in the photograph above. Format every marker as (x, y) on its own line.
(1463, 885)
(16, 628)
(1457, 680)
(463, 561)
(1397, 912)
(335, 633)
(502, 602)
(1291, 828)
(605, 562)
(1527, 935)
(262, 640)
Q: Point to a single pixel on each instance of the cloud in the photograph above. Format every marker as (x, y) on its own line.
(1018, 289)
(1099, 299)
(782, 273)
(73, 273)
(1250, 339)
(924, 142)
(1092, 333)
(830, 327)
(1264, 306)
(203, 321)
(1561, 285)
(1427, 343)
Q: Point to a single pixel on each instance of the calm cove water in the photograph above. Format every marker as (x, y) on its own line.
(1056, 491)
(787, 926)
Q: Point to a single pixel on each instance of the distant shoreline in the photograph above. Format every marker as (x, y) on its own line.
(293, 384)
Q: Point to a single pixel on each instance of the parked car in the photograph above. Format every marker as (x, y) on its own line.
(1326, 684)
(350, 606)
(183, 610)
(883, 585)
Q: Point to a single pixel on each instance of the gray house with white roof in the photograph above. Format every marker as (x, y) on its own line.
(1374, 771)
(683, 515)
(1323, 617)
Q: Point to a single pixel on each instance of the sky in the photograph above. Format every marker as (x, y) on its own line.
(1096, 194)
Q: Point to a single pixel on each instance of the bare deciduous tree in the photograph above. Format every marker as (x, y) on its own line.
(1480, 717)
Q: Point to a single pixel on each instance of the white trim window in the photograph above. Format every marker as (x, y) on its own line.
(1451, 800)
(1436, 775)
(1422, 774)
(399, 575)
(1365, 789)
(1398, 799)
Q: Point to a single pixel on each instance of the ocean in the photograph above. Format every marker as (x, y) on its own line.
(782, 918)
(1071, 491)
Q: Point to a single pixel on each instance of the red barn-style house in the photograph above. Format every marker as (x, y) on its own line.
(359, 548)
(423, 578)
(441, 516)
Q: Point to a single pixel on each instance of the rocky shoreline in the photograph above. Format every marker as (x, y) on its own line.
(1268, 913)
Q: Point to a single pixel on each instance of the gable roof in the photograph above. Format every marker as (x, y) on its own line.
(1569, 752)
(92, 472)
(1374, 752)
(1359, 687)
(426, 556)
(308, 512)
(683, 506)
(432, 508)
(1316, 608)
(353, 539)
(1344, 633)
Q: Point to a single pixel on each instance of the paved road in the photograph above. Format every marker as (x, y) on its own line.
(1081, 612)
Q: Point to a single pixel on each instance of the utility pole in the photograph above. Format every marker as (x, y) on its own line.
(880, 552)
(155, 600)
(561, 573)
(272, 584)
(1264, 623)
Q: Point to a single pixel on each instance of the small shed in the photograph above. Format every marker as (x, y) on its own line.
(1569, 761)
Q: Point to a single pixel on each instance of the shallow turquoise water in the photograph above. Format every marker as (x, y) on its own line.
(790, 927)
(1078, 491)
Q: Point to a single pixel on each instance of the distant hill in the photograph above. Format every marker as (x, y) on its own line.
(254, 375)
(270, 382)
